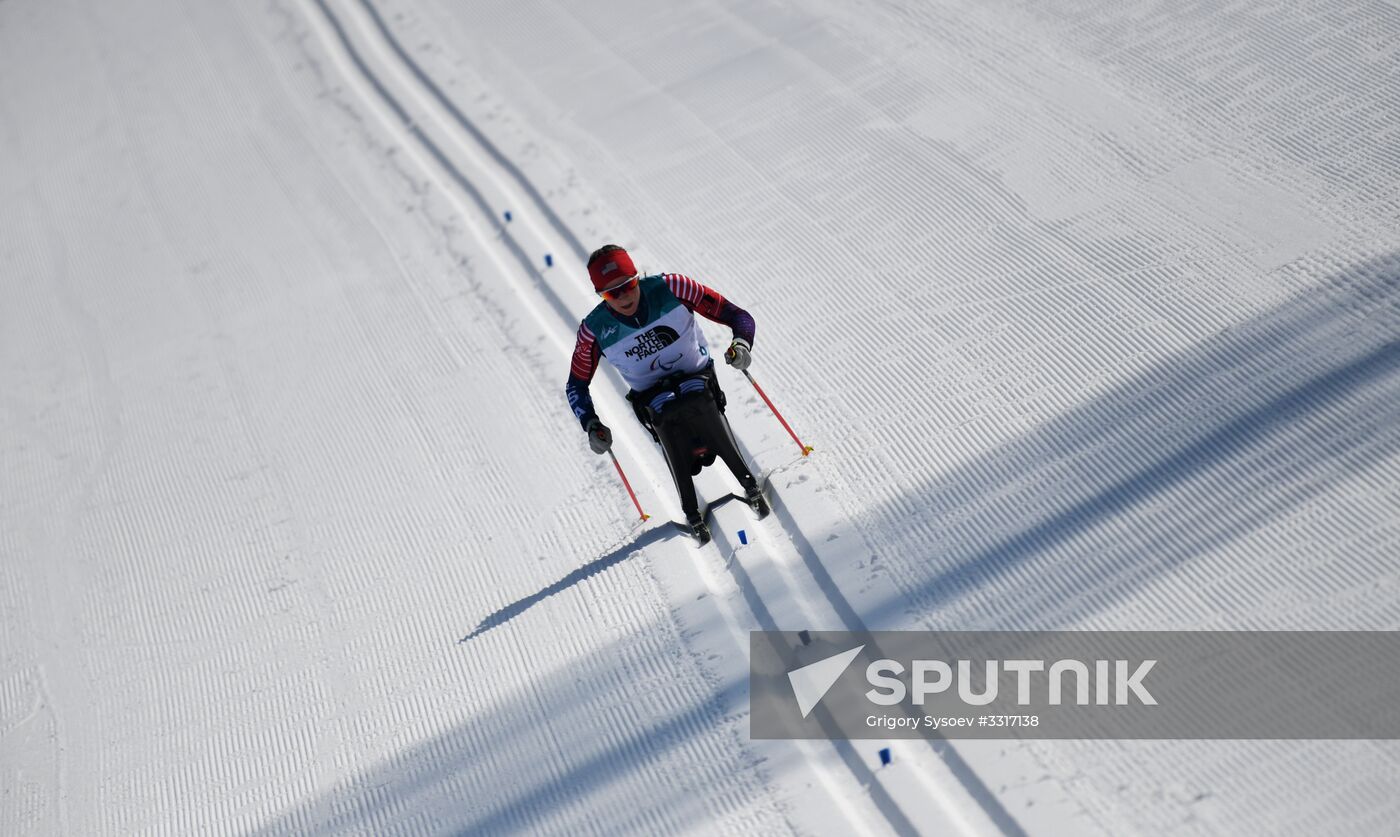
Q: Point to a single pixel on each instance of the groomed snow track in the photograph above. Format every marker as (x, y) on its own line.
(1089, 309)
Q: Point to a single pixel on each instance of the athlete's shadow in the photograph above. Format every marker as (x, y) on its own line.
(655, 534)
(666, 529)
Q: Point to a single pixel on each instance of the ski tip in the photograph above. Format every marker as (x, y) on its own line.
(698, 537)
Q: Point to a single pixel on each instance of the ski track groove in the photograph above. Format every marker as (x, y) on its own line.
(484, 519)
(651, 652)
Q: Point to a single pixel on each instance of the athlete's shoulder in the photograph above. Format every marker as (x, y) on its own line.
(685, 288)
(588, 328)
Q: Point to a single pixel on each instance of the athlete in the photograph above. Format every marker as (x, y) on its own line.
(645, 326)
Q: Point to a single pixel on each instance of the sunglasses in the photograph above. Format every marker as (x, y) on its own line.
(620, 290)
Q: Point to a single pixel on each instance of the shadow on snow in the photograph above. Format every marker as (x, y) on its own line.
(651, 536)
(1202, 450)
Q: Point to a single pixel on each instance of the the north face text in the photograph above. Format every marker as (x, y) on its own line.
(652, 342)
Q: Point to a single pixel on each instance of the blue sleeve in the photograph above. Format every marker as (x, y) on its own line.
(737, 319)
(580, 401)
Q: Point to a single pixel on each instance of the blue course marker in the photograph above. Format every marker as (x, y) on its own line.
(548, 260)
(885, 757)
(743, 537)
(507, 216)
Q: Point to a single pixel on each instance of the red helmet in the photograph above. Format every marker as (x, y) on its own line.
(609, 265)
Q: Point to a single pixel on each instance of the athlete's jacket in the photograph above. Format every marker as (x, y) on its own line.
(660, 341)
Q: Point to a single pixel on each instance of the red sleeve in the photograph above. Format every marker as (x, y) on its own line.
(585, 360)
(704, 301)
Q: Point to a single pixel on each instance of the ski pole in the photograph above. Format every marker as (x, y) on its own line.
(627, 485)
(806, 449)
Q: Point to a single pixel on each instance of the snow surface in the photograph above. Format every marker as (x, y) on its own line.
(1089, 309)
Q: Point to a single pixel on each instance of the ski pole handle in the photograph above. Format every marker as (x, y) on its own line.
(627, 485)
(806, 449)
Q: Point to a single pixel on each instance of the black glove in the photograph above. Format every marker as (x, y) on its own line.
(737, 355)
(599, 436)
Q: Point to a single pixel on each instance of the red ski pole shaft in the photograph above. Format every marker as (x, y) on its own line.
(806, 449)
(627, 485)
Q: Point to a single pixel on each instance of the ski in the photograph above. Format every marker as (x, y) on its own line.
(700, 532)
(697, 529)
(755, 500)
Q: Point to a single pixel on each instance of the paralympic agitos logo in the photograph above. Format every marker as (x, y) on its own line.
(651, 342)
